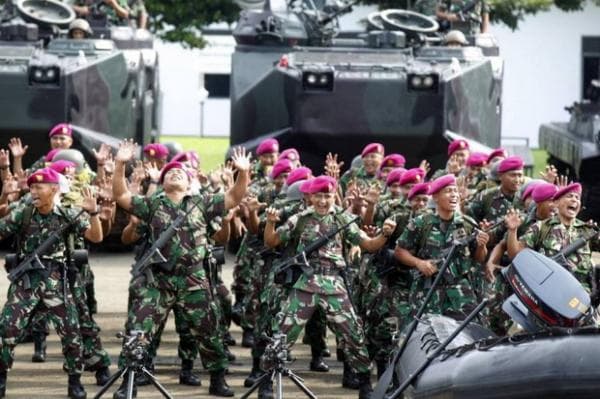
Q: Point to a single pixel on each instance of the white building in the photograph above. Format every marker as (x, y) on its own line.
(544, 72)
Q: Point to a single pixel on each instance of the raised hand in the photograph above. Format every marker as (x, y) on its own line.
(241, 159)
(88, 201)
(272, 215)
(21, 176)
(562, 181)
(512, 220)
(106, 210)
(105, 191)
(482, 238)
(425, 166)
(453, 164)
(253, 205)
(373, 194)
(549, 174)
(332, 166)
(126, 151)
(16, 147)
(389, 225)
(103, 154)
(152, 171)
(4, 158)
(10, 185)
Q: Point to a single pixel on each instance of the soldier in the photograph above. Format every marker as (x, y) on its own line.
(80, 29)
(551, 235)
(47, 287)
(422, 245)
(458, 152)
(157, 154)
(182, 278)
(469, 17)
(389, 163)
(138, 14)
(117, 11)
(455, 38)
(326, 287)
(372, 156)
(292, 155)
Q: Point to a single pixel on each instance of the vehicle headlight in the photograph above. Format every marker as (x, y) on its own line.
(318, 80)
(44, 75)
(422, 82)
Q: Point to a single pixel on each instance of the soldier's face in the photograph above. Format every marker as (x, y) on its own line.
(371, 162)
(268, 159)
(419, 202)
(61, 141)
(42, 194)
(322, 202)
(461, 156)
(395, 190)
(545, 209)
(406, 189)
(511, 181)
(569, 205)
(279, 180)
(176, 179)
(77, 34)
(384, 172)
(447, 199)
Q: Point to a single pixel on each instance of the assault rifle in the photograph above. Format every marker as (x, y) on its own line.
(300, 260)
(153, 254)
(32, 261)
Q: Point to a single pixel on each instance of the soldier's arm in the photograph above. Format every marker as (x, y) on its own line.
(120, 191)
(93, 232)
(241, 162)
(222, 235)
(485, 17)
(130, 232)
(122, 11)
(272, 239)
(408, 244)
(512, 220)
(376, 243)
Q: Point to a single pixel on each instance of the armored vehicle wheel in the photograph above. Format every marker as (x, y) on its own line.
(408, 21)
(375, 21)
(46, 12)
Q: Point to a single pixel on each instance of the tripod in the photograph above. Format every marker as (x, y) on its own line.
(277, 352)
(134, 348)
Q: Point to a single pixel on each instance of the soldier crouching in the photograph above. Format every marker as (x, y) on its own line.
(181, 279)
(326, 287)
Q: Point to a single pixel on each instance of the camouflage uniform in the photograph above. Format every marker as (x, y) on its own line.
(182, 280)
(468, 26)
(491, 205)
(426, 237)
(360, 176)
(325, 288)
(111, 14)
(47, 287)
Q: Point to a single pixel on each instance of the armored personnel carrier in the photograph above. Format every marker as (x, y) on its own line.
(106, 86)
(574, 147)
(297, 78)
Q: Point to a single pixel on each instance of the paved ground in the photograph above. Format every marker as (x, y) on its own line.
(47, 380)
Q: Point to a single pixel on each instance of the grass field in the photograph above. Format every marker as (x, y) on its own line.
(212, 151)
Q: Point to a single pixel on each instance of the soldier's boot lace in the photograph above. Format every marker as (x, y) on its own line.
(349, 378)
(317, 363)
(102, 376)
(255, 373)
(187, 375)
(121, 393)
(3, 375)
(265, 391)
(248, 338)
(39, 348)
(365, 389)
(76, 390)
(218, 385)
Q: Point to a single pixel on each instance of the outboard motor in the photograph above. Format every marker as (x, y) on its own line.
(545, 293)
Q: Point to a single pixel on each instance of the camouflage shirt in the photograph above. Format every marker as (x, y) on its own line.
(386, 208)
(551, 239)
(306, 227)
(40, 227)
(111, 14)
(492, 205)
(362, 179)
(188, 246)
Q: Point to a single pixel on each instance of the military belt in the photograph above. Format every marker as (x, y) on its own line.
(178, 270)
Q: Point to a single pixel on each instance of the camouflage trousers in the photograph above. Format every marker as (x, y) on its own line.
(87, 281)
(244, 277)
(189, 291)
(45, 294)
(454, 300)
(341, 319)
(495, 318)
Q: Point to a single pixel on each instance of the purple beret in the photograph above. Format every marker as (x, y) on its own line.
(267, 146)
(305, 187)
(510, 163)
(60, 165)
(498, 152)
(169, 166)
(573, 187)
(373, 147)
(45, 175)
(281, 166)
(188, 156)
(528, 189)
(63, 129)
(50, 155)
(291, 154)
(457, 145)
(543, 192)
(418, 189)
(412, 176)
(156, 150)
(477, 159)
(393, 161)
(323, 184)
(394, 176)
(442, 182)
(301, 173)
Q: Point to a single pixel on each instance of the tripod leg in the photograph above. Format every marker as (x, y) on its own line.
(130, 383)
(257, 383)
(120, 373)
(298, 381)
(279, 385)
(157, 384)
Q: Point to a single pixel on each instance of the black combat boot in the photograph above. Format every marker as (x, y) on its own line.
(265, 391)
(349, 378)
(248, 339)
(228, 339)
(102, 376)
(230, 356)
(255, 373)
(187, 376)
(326, 352)
(365, 389)
(317, 363)
(237, 310)
(76, 390)
(218, 385)
(2, 383)
(121, 393)
(39, 347)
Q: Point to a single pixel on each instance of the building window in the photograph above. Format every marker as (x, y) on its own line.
(590, 51)
(217, 85)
